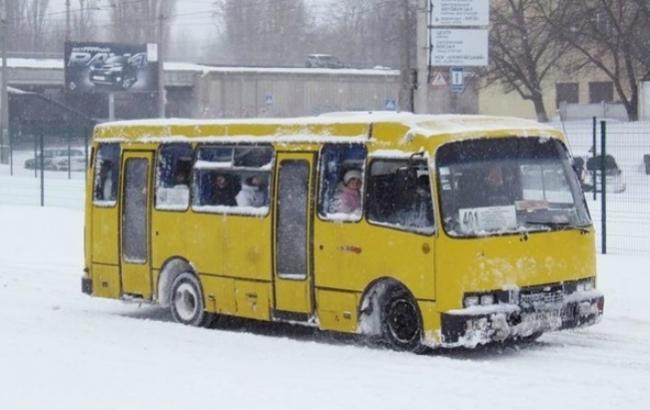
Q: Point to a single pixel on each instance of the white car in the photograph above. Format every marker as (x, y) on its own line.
(57, 160)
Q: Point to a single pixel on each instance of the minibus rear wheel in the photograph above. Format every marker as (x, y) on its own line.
(187, 301)
(401, 324)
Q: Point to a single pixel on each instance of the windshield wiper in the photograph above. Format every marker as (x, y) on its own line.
(551, 224)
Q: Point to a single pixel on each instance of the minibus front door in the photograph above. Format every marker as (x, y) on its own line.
(293, 281)
(135, 260)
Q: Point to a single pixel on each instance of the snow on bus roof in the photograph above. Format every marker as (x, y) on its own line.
(425, 125)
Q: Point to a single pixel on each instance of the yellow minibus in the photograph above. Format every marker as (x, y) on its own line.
(416, 230)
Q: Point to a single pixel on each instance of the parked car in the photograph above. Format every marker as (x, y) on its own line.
(614, 181)
(117, 71)
(323, 61)
(57, 160)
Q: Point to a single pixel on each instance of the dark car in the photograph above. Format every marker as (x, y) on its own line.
(614, 181)
(117, 71)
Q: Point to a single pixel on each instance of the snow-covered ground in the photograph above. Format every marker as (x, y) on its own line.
(60, 349)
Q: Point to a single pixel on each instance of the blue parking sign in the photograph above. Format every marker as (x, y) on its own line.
(456, 79)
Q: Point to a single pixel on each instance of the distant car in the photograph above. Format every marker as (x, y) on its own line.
(57, 160)
(117, 71)
(323, 61)
(614, 181)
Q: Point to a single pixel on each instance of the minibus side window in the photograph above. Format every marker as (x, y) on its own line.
(399, 195)
(173, 176)
(341, 186)
(107, 166)
(232, 179)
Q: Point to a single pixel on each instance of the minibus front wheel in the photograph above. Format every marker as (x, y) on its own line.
(401, 324)
(187, 301)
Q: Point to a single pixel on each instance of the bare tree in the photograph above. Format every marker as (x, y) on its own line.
(366, 33)
(606, 34)
(524, 49)
(27, 20)
(83, 22)
(139, 21)
(263, 32)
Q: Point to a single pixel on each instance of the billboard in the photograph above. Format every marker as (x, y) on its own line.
(92, 67)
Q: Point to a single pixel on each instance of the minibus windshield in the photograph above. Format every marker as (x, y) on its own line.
(508, 185)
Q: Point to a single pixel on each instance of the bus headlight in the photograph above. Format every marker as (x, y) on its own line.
(471, 301)
(476, 300)
(487, 299)
(585, 285)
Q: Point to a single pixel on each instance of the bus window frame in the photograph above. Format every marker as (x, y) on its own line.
(433, 196)
(226, 208)
(319, 184)
(156, 159)
(118, 190)
(439, 192)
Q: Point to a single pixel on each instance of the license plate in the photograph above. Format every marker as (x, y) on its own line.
(99, 77)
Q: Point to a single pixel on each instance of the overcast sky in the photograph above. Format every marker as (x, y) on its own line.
(192, 20)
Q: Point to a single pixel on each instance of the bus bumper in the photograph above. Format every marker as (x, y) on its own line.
(477, 325)
(87, 286)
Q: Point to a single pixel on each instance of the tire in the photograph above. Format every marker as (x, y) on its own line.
(186, 301)
(128, 83)
(401, 324)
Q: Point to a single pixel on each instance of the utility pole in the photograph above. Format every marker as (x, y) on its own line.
(422, 57)
(161, 57)
(4, 97)
(406, 80)
(67, 20)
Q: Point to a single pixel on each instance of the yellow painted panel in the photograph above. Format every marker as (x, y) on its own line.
(474, 265)
(105, 235)
(219, 294)
(293, 296)
(337, 310)
(253, 299)
(106, 281)
(430, 322)
(352, 255)
(217, 244)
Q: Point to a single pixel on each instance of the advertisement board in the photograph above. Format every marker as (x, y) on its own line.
(92, 67)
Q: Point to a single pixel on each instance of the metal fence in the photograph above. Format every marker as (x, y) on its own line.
(621, 211)
(56, 178)
(46, 171)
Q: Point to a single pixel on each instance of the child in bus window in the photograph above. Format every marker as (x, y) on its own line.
(347, 198)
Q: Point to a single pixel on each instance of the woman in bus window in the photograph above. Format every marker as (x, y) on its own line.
(348, 196)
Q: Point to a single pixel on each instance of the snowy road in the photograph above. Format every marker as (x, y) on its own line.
(60, 349)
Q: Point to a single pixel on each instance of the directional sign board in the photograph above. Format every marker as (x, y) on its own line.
(460, 13)
(459, 47)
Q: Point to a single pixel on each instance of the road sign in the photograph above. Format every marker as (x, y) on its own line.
(459, 47)
(457, 79)
(460, 13)
(268, 100)
(438, 80)
(390, 104)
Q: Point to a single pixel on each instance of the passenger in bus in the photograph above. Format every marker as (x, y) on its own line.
(495, 191)
(252, 193)
(223, 191)
(104, 186)
(183, 172)
(347, 198)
